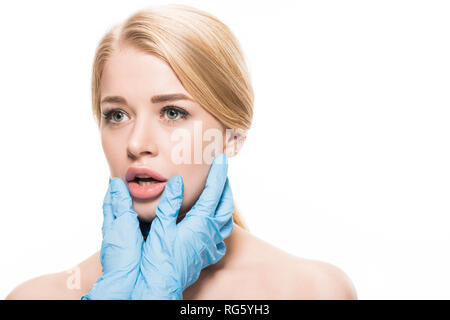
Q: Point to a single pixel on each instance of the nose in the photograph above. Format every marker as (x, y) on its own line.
(143, 139)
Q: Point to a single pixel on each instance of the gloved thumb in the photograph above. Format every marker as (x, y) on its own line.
(170, 203)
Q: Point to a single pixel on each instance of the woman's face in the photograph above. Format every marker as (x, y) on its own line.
(141, 130)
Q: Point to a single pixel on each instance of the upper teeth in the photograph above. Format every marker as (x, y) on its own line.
(142, 176)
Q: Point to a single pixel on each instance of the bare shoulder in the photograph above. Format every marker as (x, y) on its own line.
(69, 284)
(292, 277)
(45, 287)
(326, 281)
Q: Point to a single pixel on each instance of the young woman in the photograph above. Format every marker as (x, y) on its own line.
(166, 70)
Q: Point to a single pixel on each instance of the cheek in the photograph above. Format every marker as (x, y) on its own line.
(112, 148)
(196, 145)
(194, 178)
(195, 172)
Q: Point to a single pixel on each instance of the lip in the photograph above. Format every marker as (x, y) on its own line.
(132, 172)
(144, 192)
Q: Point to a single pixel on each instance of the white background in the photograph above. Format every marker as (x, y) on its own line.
(347, 160)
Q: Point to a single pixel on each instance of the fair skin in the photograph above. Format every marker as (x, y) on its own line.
(141, 136)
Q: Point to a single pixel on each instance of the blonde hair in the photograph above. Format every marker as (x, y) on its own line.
(203, 53)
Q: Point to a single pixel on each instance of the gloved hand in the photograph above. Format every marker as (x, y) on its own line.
(120, 253)
(174, 254)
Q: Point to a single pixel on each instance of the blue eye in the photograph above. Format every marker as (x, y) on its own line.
(173, 113)
(110, 114)
(170, 114)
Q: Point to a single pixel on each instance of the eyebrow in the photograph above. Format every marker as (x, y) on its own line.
(155, 99)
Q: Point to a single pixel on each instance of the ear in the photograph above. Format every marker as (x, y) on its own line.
(234, 140)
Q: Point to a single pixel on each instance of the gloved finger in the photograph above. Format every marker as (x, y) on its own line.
(125, 226)
(121, 198)
(209, 199)
(212, 253)
(224, 213)
(122, 241)
(108, 216)
(220, 225)
(221, 248)
(227, 228)
(170, 203)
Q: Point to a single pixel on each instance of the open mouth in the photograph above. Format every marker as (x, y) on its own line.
(145, 181)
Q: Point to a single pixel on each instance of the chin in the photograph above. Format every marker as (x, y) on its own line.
(146, 211)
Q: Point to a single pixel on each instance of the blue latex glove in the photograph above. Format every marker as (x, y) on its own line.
(120, 253)
(174, 254)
